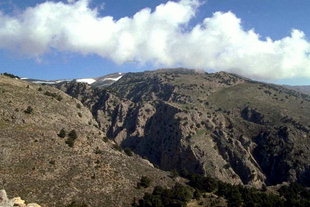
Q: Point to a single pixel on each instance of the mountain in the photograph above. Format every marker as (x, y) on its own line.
(95, 82)
(301, 89)
(53, 152)
(218, 124)
(214, 130)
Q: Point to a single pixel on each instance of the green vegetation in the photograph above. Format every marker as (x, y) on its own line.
(174, 173)
(128, 151)
(294, 195)
(10, 75)
(117, 147)
(76, 204)
(54, 95)
(62, 133)
(29, 110)
(72, 136)
(144, 182)
(177, 196)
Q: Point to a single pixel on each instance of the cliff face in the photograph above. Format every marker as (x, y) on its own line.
(235, 129)
(43, 163)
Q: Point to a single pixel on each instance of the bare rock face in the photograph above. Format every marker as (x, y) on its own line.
(218, 124)
(4, 200)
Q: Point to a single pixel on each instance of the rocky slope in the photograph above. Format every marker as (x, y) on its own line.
(42, 164)
(301, 89)
(222, 125)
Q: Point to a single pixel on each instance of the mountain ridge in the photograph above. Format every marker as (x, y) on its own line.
(198, 121)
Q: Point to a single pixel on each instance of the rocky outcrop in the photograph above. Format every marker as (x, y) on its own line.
(17, 201)
(252, 115)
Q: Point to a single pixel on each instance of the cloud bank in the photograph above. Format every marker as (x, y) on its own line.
(161, 37)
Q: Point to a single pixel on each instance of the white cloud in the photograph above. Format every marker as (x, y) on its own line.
(161, 37)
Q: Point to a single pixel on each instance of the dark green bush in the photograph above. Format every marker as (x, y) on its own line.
(174, 173)
(54, 95)
(10, 75)
(70, 142)
(62, 133)
(128, 151)
(76, 204)
(178, 196)
(144, 182)
(29, 110)
(72, 134)
(117, 147)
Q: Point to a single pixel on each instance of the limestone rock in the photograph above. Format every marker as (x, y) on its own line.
(16, 201)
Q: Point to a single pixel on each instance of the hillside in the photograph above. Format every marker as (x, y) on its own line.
(301, 89)
(53, 167)
(218, 124)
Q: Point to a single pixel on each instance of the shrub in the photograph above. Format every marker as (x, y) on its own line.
(72, 134)
(10, 75)
(29, 110)
(52, 162)
(174, 173)
(59, 98)
(78, 106)
(98, 151)
(178, 196)
(54, 95)
(182, 192)
(75, 204)
(70, 142)
(197, 194)
(72, 137)
(117, 147)
(128, 151)
(144, 182)
(62, 133)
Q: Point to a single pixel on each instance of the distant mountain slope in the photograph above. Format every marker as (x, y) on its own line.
(219, 124)
(95, 82)
(302, 89)
(39, 165)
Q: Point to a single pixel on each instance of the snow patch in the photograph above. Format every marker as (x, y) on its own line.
(86, 80)
(113, 79)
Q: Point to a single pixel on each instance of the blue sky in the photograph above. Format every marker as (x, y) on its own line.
(274, 19)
